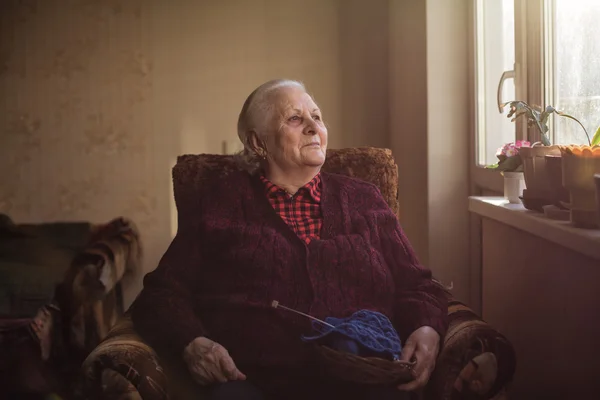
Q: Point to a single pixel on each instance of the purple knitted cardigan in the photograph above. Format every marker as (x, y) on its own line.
(233, 255)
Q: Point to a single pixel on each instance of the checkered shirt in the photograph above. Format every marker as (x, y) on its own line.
(302, 211)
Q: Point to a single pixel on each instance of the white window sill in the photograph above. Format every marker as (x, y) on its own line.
(584, 241)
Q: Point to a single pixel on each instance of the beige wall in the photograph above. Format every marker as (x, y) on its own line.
(98, 98)
(429, 100)
(408, 112)
(448, 141)
(224, 49)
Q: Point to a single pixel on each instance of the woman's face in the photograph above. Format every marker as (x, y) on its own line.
(296, 136)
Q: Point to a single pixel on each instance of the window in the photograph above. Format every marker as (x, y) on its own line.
(495, 64)
(573, 66)
(541, 51)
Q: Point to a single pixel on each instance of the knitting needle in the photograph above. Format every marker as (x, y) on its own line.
(275, 304)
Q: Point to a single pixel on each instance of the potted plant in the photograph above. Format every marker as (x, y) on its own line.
(540, 190)
(579, 164)
(510, 164)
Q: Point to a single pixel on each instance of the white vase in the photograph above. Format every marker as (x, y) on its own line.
(514, 183)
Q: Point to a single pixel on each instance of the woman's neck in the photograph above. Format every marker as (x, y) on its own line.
(291, 182)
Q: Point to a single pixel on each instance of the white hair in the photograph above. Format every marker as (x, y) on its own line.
(255, 115)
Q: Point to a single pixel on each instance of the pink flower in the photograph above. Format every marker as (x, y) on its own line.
(511, 149)
(522, 143)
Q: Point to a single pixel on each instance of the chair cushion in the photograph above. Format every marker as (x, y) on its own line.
(373, 165)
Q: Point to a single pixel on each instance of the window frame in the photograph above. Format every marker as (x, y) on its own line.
(530, 82)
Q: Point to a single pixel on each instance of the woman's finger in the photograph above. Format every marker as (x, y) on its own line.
(229, 369)
(211, 365)
(216, 372)
(408, 351)
(419, 382)
(200, 374)
(422, 372)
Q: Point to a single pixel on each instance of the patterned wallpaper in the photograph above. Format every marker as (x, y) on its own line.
(77, 115)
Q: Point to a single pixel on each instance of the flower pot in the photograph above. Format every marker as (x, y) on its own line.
(579, 164)
(536, 178)
(514, 183)
(597, 179)
(554, 173)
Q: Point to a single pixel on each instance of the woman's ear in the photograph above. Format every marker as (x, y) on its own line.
(257, 145)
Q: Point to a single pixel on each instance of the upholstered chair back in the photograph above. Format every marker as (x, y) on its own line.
(369, 164)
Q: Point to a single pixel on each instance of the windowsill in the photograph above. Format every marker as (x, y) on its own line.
(584, 241)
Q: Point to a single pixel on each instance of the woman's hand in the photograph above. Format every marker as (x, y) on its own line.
(209, 362)
(422, 345)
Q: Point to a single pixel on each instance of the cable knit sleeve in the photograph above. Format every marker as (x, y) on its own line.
(419, 300)
(163, 313)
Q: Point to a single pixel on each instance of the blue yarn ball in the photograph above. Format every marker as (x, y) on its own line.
(365, 333)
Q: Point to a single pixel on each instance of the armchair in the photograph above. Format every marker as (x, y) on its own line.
(475, 362)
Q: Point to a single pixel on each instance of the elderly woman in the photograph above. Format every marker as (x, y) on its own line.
(280, 229)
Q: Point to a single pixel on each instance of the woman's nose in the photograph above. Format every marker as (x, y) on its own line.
(311, 127)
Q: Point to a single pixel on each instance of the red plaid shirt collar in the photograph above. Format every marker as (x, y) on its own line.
(302, 211)
(311, 190)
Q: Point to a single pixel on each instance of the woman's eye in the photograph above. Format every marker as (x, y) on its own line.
(317, 117)
(294, 118)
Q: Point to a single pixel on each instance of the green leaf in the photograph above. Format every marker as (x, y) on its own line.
(510, 164)
(545, 139)
(596, 138)
(514, 107)
(536, 117)
(563, 114)
(517, 114)
(519, 168)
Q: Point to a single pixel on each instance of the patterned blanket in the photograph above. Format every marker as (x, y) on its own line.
(46, 352)
(90, 296)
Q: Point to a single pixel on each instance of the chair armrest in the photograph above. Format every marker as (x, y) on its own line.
(121, 364)
(475, 362)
